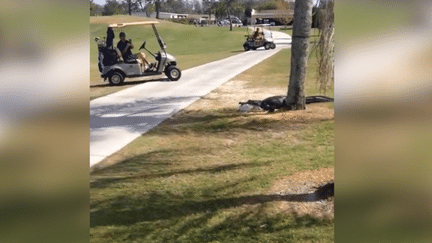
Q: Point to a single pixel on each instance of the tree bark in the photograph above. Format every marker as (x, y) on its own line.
(210, 9)
(130, 7)
(299, 54)
(157, 8)
(229, 17)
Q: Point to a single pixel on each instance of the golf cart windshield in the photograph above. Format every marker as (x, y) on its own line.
(265, 29)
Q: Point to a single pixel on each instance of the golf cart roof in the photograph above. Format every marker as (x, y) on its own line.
(121, 25)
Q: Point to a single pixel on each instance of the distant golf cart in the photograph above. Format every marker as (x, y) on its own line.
(260, 37)
(112, 66)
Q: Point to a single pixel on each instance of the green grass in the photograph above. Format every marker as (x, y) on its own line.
(207, 177)
(192, 46)
(195, 189)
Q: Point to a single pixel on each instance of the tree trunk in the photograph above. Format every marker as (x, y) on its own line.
(209, 19)
(157, 8)
(229, 17)
(130, 7)
(299, 54)
(325, 47)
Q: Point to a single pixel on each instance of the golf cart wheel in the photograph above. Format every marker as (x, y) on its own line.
(246, 47)
(253, 48)
(116, 78)
(272, 45)
(173, 73)
(267, 46)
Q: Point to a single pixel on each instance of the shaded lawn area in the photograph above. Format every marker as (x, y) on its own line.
(191, 46)
(207, 179)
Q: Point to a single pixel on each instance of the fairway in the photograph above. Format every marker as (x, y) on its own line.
(190, 45)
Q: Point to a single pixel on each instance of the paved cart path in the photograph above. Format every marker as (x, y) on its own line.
(119, 118)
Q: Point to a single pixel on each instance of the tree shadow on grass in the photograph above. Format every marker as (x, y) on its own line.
(156, 206)
(105, 182)
(224, 120)
(251, 226)
(155, 164)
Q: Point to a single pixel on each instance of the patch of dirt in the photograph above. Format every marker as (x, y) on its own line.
(305, 182)
(225, 101)
(230, 94)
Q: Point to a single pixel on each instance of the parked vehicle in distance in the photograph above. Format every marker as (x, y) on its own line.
(236, 22)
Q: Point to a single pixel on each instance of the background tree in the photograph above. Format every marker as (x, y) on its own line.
(266, 5)
(285, 7)
(228, 7)
(95, 9)
(173, 6)
(149, 9)
(248, 11)
(208, 7)
(188, 5)
(112, 7)
(197, 7)
(299, 54)
(325, 46)
(136, 5)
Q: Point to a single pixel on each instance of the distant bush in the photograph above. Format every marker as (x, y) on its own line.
(268, 5)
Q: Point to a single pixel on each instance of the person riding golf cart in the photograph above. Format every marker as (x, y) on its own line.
(115, 68)
(259, 37)
(125, 47)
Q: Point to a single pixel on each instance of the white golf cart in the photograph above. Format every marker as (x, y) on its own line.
(261, 36)
(112, 66)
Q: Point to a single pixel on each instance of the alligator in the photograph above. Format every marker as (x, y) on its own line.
(277, 102)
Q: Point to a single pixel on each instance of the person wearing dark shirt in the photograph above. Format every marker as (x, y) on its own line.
(125, 48)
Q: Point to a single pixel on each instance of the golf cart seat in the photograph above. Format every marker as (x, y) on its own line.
(132, 60)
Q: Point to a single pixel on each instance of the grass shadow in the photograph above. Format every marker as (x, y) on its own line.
(252, 226)
(103, 182)
(156, 206)
(225, 120)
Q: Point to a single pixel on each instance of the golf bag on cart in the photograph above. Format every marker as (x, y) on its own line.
(107, 53)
